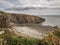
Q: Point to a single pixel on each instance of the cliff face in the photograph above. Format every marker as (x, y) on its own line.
(4, 22)
(7, 18)
(26, 19)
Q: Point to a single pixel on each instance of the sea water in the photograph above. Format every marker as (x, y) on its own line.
(51, 20)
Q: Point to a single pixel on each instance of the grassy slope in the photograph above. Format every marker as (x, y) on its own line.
(13, 39)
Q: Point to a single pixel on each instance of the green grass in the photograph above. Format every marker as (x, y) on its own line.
(13, 39)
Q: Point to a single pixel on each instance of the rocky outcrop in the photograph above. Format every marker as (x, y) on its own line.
(4, 22)
(26, 19)
(7, 18)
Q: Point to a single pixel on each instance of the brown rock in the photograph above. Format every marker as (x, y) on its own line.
(7, 18)
(27, 19)
(3, 20)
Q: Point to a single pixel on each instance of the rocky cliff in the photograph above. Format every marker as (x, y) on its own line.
(26, 19)
(4, 20)
(10, 18)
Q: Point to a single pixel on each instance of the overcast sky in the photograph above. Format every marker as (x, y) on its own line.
(30, 3)
(36, 3)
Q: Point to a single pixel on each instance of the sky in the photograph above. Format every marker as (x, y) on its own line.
(36, 3)
(11, 4)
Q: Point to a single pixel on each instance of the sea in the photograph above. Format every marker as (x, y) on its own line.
(52, 20)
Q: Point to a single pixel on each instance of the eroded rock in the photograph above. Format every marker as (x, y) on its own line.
(3, 20)
(27, 19)
(6, 19)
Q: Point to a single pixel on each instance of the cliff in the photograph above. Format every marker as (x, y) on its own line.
(4, 20)
(7, 19)
(26, 19)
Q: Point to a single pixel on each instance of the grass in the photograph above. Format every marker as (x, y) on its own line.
(12, 39)
(53, 38)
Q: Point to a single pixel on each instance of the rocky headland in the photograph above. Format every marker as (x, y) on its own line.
(24, 24)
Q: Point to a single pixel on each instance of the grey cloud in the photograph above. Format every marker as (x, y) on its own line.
(32, 3)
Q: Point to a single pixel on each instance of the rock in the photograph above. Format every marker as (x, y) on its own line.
(3, 20)
(6, 19)
(27, 19)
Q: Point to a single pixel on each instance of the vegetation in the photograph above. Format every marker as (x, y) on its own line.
(20, 41)
(52, 39)
(9, 38)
